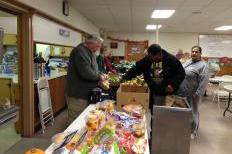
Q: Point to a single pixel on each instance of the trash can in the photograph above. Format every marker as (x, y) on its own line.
(171, 130)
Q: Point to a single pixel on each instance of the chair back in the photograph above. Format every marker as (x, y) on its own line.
(45, 104)
(44, 94)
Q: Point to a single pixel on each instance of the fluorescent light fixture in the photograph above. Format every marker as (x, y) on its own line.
(153, 27)
(162, 13)
(223, 28)
(202, 36)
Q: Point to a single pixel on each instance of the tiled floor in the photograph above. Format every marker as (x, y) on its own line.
(8, 137)
(215, 133)
(40, 140)
(215, 136)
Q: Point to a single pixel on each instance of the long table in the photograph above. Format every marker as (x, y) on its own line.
(219, 79)
(79, 123)
(228, 88)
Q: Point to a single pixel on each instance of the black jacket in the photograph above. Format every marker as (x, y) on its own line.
(173, 73)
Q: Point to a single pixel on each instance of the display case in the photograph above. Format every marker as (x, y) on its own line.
(56, 56)
(9, 60)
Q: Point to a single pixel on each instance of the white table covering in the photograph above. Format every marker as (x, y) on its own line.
(79, 123)
(228, 88)
(220, 79)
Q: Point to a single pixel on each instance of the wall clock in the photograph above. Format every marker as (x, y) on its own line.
(65, 8)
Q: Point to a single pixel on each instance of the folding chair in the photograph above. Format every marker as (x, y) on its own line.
(45, 105)
(220, 95)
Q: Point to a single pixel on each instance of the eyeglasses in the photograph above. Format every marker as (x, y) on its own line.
(196, 52)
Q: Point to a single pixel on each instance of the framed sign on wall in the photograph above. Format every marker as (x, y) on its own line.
(113, 45)
(216, 45)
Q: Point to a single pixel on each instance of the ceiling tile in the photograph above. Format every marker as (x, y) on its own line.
(118, 2)
(86, 2)
(133, 15)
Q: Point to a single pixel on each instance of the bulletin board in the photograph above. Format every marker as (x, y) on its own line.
(216, 45)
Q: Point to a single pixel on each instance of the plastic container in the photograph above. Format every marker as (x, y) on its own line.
(59, 138)
(35, 151)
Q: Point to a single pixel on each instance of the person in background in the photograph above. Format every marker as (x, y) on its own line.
(162, 72)
(100, 60)
(39, 58)
(82, 76)
(179, 54)
(48, 61)
(107, 61)
(185, 57)
(47, 66)
(194, 84)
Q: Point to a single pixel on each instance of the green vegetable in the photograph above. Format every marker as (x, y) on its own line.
(123, 151)
(84, 149)
(104, 133)
(116, 149)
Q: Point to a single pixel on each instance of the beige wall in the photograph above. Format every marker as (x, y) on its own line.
(48, 31)
(54, 8)
(174, 41)
(169, 41)
(116, 52)
(9, 24)
(128, 36)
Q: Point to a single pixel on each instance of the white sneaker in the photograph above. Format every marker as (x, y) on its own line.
(192, 136)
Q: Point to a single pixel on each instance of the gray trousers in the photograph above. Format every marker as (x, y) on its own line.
(193, 103)
(75, 107)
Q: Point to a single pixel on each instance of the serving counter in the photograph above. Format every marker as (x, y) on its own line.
(57, 85)
(14, 77)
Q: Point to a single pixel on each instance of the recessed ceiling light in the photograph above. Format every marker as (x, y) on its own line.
(223, 28)
(153, 27)
(162, 13)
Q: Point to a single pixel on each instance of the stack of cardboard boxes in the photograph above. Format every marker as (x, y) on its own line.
(130, 94)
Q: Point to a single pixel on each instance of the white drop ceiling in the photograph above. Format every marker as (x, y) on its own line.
(134, 15)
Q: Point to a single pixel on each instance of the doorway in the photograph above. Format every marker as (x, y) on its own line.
(16, 78)
(10, 129)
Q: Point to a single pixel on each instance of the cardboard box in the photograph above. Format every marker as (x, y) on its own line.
(124, 98)
(176, 101)
(132, 88)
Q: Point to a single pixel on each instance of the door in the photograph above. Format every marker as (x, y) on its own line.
(16, 59)
(135, 50)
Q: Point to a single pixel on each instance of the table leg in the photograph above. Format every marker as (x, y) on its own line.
(228, 106)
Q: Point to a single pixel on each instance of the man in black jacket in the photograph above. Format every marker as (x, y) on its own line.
(162, 72)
